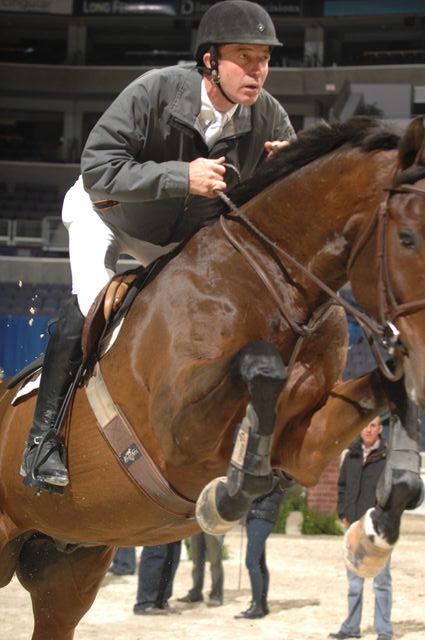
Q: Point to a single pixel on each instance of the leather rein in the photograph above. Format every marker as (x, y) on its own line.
(389, 308)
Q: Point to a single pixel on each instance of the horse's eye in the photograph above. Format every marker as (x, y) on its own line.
(408, 239)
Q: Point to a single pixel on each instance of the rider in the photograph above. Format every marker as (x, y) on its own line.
(150, 170)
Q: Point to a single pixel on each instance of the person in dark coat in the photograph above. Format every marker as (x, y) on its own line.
(260, 521)
(358, 479)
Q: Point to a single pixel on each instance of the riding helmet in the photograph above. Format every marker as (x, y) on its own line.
(234, 22)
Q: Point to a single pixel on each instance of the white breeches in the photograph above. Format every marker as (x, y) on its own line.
(94, 247)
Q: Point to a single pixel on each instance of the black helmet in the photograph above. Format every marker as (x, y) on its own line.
(235, 22)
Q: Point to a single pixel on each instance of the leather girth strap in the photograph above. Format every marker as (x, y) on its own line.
(131, 453)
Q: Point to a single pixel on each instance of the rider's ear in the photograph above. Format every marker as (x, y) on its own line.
(207, 59)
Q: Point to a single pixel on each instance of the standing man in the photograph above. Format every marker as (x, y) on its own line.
(203, 545)
(151, 168)
(358, 478)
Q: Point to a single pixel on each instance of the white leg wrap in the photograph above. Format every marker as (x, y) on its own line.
(365, 552)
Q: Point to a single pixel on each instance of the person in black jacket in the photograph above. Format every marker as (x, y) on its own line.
(260, 521)
(358, 478)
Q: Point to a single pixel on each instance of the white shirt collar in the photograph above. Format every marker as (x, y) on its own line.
(208, 115)
(208, 110)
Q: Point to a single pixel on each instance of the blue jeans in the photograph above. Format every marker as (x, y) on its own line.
(157, 568)
(258, 530)
(383, 600)
(124, 560)
(203, 544)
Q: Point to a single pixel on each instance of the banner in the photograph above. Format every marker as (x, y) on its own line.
(372, 7)
(125, 8)
(64, 7)
(192, 8)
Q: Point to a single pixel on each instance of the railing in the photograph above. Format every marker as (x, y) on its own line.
(48, 233)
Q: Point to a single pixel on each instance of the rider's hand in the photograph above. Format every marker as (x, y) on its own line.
(206, 176)
(272, 147)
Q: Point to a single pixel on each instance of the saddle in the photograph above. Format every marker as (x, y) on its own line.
(110, 305)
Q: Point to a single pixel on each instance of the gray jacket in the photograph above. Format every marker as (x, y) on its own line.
(135, 162)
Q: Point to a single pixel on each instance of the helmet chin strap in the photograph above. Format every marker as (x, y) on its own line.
(215, 75)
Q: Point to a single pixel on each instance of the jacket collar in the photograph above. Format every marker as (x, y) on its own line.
(356, 449)
(187, 104)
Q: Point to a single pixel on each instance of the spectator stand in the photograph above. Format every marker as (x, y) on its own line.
(30, 217)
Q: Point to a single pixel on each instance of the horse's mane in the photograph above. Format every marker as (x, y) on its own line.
(365, 133)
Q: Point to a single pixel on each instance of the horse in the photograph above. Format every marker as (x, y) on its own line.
(228, 370)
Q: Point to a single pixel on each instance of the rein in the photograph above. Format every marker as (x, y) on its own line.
(389, 309)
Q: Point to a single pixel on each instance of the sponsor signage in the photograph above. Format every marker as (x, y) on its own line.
(125, 7)
(191, 8)
(372, 7)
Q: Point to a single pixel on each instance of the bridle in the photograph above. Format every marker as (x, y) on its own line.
(389, 310)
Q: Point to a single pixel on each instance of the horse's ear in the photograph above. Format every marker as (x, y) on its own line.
(420, 156)
(411, 147)
(332, 117)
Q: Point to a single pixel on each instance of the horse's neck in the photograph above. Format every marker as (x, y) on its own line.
(317, 213)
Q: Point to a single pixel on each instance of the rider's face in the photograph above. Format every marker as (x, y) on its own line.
(243, 70)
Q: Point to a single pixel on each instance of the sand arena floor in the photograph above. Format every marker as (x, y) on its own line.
(307, 596)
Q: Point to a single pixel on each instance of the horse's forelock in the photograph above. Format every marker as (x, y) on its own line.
(382, 140)
(411, 175)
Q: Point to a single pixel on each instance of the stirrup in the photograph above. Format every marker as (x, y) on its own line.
(40, 485)
(31, 478)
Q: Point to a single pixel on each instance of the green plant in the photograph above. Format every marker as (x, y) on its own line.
(315, 523)
(294, 501)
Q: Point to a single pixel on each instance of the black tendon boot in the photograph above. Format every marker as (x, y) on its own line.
(44, 459)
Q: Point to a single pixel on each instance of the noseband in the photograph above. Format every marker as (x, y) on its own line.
(389, 309)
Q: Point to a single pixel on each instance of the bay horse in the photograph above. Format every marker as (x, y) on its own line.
(229, 365)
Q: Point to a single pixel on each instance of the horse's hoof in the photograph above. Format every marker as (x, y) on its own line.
(207, 514)
(365, 552)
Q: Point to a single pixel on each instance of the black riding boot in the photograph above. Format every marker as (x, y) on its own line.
(255, 610)
(44, 460)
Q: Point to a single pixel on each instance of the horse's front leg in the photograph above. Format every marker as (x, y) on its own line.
(62, 585)
(369, 542)
(225, 500)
